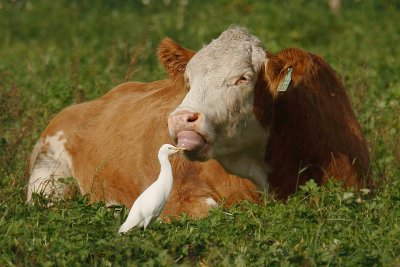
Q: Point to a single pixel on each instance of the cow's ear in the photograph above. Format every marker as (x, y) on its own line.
(286, 70)
(174, 57)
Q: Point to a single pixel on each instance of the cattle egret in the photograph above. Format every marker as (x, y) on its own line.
(149, 205)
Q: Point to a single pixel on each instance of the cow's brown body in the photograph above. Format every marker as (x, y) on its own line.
(314, 132)
(113, 142)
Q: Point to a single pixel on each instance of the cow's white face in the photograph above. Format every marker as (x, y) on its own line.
(216, 117)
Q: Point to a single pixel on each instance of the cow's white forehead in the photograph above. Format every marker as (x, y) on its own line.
(234, 48)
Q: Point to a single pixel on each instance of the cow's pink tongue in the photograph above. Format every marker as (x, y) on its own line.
(190, 140)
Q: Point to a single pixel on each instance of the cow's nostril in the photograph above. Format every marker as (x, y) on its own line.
(193, 117)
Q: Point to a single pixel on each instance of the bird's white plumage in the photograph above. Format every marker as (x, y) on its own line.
(149, 205)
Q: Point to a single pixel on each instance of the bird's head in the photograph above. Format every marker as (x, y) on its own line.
(170, 149)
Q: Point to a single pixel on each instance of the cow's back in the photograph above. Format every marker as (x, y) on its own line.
(315, 133)
(115, 150)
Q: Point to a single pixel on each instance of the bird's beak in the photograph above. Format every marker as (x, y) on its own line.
(177, 149)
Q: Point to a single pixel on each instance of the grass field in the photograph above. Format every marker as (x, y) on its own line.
(57, 53)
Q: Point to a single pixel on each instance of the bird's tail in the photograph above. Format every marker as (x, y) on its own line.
(130, 223)
(124, 228)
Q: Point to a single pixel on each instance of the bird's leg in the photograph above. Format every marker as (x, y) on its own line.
(146, 222)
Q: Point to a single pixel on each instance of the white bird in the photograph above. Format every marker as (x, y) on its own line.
(149, 205)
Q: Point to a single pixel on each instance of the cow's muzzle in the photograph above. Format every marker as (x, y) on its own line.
(184, 128)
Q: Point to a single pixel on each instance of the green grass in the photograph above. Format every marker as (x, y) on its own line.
(57, 53)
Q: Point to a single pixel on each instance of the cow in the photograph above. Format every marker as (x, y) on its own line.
(250, 121)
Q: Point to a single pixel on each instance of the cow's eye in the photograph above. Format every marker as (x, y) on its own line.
(242, 80)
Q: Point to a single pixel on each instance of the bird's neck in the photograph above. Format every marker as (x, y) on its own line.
(165, 177)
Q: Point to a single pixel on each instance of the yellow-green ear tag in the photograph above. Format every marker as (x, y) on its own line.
(286, 81)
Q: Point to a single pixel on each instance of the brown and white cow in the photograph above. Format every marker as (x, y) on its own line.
(221, 103)
(110, 146)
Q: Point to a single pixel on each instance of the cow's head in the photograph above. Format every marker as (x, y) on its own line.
(217, 118)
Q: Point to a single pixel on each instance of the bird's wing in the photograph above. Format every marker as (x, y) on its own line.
(145, 209)
(135, 216)
(150, 200)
